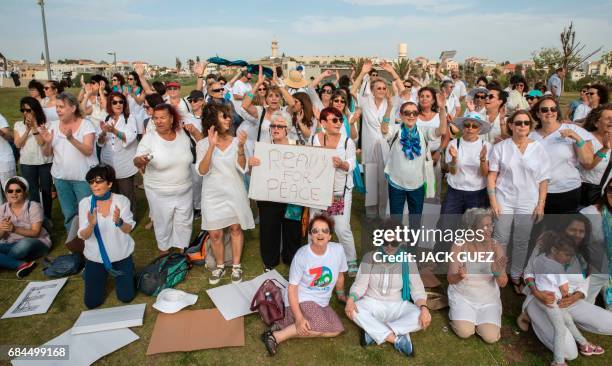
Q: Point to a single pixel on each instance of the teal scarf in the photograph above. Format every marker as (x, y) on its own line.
(405, 275)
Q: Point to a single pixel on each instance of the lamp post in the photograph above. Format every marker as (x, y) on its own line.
(114, 54)
(44, 24)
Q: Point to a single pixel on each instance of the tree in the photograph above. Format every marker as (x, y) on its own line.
(402, 67)
(571, 50)
(179, 65)
(518, 69)
(607, 59)
(547, 59)
(357, 64)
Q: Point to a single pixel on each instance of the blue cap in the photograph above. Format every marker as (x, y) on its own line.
(535, 93)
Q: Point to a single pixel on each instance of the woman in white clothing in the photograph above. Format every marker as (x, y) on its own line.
(303, 122)
(517, 184)
(516, 99)
(344, 163)
(473, 291)
(7, 159)
(495, 106)
(568, 146)
(165, 157)
(93, 100)
(52, 90)
(221, 160)
(597, 95)
(594, 175)
(118, 141)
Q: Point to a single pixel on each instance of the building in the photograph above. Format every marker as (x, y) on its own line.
(598, 68)
(577, 75)
(508, 69)
(402, 51)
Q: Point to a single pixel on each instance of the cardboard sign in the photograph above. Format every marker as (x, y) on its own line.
(36, 298)
(110, 318)
(299, 175)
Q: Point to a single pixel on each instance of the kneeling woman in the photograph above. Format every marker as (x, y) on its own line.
(379, 301)
(105, 223)
(315, 270)
(473, 291)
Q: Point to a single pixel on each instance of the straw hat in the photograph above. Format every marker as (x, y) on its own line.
(295, 80)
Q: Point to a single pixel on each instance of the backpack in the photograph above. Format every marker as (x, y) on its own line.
(166, 271)
(64, 265)
(196, 252)
(268, 301)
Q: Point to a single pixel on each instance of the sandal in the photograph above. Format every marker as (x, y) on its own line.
(591, 349)
(523, 322)
(269, 341)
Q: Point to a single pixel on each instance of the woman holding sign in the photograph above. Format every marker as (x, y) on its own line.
(277, 219)
(344, 163)
(221, 161)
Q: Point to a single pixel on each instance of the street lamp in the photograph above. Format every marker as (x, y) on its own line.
(114, 54)
(44, 24)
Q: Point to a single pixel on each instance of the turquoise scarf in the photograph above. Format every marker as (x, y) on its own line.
(405, 275)
(411, 142)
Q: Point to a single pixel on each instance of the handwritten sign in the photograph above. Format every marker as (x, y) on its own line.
(300, 175)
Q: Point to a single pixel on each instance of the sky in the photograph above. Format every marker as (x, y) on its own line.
(157, 31)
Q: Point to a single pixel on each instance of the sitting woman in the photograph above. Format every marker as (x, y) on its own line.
(473, 291)
(105, 223)
(316, 269)
(379, 300)
(22, 235)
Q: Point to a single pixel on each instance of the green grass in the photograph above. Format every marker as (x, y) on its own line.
(437, 345)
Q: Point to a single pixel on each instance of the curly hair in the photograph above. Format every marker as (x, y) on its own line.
(595, 115)
(210, 117)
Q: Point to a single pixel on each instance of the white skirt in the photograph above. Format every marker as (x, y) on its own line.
(172, 215)
(477, 313)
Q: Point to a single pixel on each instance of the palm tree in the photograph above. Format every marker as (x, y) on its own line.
(357, 64)
(402, 67)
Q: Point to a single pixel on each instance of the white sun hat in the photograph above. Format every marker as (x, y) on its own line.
(170, 300)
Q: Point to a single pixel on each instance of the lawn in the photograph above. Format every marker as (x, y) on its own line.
(436, 345)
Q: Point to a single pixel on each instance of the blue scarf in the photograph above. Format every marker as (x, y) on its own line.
(405, 275)
(607, 230)
(411, 142)
(107, 263)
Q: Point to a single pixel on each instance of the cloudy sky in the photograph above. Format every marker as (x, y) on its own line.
(159, 30)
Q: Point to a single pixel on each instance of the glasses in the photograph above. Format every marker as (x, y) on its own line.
(394, 244)
(225, 115)
(115, 79)
(279, 127)
(261, 89)
(471, 126)
(334, 120)
(340, 101)
(115, 102)
(520, 85)
(410, 113)
(491, 96)
(522, 123)
(316, 231)
(174, 88)
(382, 88)
(217, 90)
(592, 93)
(374, 74)
(222, 83)
(407, 86)
(25, 110)
(96, 180)
(17, 190)
(130, 78)
(548, 109)
(48, 87)
(195, 100)
(530, 97)
(480, 96)
(326, 91)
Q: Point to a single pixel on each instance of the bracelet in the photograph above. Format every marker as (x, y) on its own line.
(580, 143)
(339, 292)
(120, 223)
(491, 191)
(530, 284)
(353, 296)
(601, 155)
(495, 274)
(386, 120)
(250, 95)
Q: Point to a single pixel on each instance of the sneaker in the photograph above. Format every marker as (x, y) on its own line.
(403, 344)
(267, 269)
(353, 268)
(269, 341)
(25, 269)
(365, 339)
(216, 275)
(591, 349)
(236, 274)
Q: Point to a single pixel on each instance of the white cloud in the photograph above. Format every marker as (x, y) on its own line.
(434, 6)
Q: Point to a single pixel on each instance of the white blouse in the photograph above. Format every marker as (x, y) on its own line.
(30, 153)
(432, 123)
(594, 175)
(68, 162)
(341, 176)
(119, 154)
(468, 177)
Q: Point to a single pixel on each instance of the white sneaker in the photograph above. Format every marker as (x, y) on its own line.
(236, 274)
(216, 275)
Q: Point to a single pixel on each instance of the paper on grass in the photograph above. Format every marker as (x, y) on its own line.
(85, 349)
(234, 300)
(109, 318)
(191, 330)
(36, 298)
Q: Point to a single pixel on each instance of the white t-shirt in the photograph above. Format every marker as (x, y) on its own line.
(241, 88)
(452, 102)
(7, 159)
(119, 154)
(68, 162)
(519, 176)
(459, 90)
(581, 111)
(118, 244)
(170, 168)
(468, 177)
(434, 123)
(594, 175)
(30, 153)
(565, 175)
(316, 275)
(371, 118)
(341, 176)
(51, 114)
(549, 275)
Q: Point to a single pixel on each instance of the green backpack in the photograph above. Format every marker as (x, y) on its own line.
(166, 271)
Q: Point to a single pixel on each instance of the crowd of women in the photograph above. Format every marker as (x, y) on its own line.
(503, 163)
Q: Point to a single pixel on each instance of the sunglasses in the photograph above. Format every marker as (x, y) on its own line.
(115, 102)
(48, 87)
(130, 78)
(25, 110)
(261, 89)
(17, 190)
(114, 79)
(225, 115)
(480, 96)
(410, 113)
(340, 101)
(195, 100)
(277, 127)
(382, 88)
(316, 231)
(520, 85)
(530, 97)
(217, 90)
(407, 86)
(548, 109)
(334, 120)
(490, 96)
(326, 91)
(521, 123)
(472, 126)
(175, 88)
(592, 93)
(96, 180)
(394, 244)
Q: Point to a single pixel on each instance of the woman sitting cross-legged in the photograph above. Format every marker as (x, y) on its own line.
(315, 270)
(105, 223)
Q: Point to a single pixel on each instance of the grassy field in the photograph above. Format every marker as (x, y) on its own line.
(437, 345)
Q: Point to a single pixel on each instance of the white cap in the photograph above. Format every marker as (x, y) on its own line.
(170, 300)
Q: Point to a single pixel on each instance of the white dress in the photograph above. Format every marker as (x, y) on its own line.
(224, 197)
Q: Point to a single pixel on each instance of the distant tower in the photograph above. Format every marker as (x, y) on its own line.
(274, 48)
(42, 59)
(402, 50)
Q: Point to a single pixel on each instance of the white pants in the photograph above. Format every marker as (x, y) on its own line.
(597, 284)
(172, 215)
(342, 227)
(521, 221)
(4, 177)
(196, 179)
(380, 318)
(586, 316)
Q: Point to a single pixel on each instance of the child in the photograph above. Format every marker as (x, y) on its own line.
(557, 251)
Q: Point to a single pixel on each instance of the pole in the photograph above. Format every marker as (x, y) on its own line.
(44, 24)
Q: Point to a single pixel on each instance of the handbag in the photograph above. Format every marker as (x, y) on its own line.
(268, 301)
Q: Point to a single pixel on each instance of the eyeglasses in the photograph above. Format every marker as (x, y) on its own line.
(217, 90)
(382, 88)
(334, 120)
(491, 96)
(326, 91)
(480, 96)
(277, 127)
(130, 78)
(48, 87)
(410, 113)
(548, 109)
(195, 100)
(174, 88)
(340, 101)
(222, 83)
(521, 123)
(530, 97)
(471, 126)
(96, 180)
(25, 110)
(520, 85)
(115, 102)
(394, 244)
(17, 190)
(261, 89)
(316, 231)
(592, 93)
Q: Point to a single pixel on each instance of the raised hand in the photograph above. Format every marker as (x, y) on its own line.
(452, 152)
(462, 271)
(327, 73)
(242, 138)
(499, 264)
(469, 104)
(198, 69)
(213, 136)
(82, 80)
(387, 66)
(367, 66)
(440, 99)
(116, 215)
(300, 116)
(87, 89)
(92, 217)
(139, 68)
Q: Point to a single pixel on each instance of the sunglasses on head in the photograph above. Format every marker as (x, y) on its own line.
(410, 113)
(217, 90)
(16, 190)
(519, 123)
(316, 231)
(548, 109)
(480, 96)
(96, 180)
(471, 126)
(115, 102)
(274, 126)
(26, 110)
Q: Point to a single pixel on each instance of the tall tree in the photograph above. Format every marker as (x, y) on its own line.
(179, 65)
(402, 67)
(571, 50)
